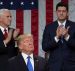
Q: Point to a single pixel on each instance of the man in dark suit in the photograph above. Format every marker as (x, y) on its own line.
(7, 38)
(59, 41)
(20, 62)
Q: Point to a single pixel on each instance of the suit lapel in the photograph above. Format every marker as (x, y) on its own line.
(36, 63)
(67, 24)
(1, 32)
(56, 24)
(54, 28)
(1, 35)
(21, 63)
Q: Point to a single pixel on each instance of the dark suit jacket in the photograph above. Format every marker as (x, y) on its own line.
(62, 55)
(18, 64)
(6, 52)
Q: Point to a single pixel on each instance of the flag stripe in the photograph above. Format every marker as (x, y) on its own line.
(71, 4)
(27, 21)
(13, 23)
(34, 29)
(49, 11)
(42, 23)
(19, 20)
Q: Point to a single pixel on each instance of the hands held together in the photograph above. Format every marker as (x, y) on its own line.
(62, 31)
(11, 34)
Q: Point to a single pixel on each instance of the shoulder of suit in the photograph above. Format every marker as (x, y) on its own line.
(39, 58)
(52, 23)
(12, 58)
(71, 21)
(71, 24)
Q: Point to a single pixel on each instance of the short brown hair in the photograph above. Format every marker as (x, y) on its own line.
(62, 4)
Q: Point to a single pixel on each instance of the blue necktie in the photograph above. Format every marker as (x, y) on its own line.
(62, 39)
(29, 65)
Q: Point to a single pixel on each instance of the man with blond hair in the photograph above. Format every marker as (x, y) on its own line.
(20, 62)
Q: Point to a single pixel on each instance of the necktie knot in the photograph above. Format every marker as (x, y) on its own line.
(61, 26)
(28, 57)
(5, 30)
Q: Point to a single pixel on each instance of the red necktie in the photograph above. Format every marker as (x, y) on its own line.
(5, 34)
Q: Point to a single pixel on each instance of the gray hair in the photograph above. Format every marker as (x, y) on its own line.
(2, 11)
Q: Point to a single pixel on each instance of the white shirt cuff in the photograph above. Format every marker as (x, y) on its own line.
(56, 39)
(67, 38)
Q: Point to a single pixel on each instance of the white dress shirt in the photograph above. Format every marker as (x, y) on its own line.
(31, 59)
(2, 29)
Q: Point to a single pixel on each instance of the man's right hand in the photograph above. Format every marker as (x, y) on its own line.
(59, 32)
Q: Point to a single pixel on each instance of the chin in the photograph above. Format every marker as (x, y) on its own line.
(61, 19)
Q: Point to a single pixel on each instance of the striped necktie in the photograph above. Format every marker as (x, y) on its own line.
(5, 33)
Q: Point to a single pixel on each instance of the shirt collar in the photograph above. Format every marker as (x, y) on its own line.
(25, 55)
(2, 29)
(59, 23)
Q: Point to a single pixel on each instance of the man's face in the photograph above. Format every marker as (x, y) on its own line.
(62, 13)
(27, 44)
(6, 18)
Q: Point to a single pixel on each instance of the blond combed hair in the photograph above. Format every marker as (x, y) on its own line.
(21, 37)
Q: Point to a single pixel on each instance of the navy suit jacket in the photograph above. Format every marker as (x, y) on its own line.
(18, 64)
(62, 55)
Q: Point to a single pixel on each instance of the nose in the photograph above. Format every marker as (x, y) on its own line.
(61, 12)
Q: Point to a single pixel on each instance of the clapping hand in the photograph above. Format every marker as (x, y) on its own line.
(16, 32)
(62, 31)
(9, 36)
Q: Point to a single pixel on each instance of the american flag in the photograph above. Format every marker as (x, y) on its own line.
(31, 16)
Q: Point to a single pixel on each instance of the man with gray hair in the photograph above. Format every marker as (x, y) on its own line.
(7, 38)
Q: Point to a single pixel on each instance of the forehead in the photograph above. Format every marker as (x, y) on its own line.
(28, 37)
(61, 8)
(6, 13)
